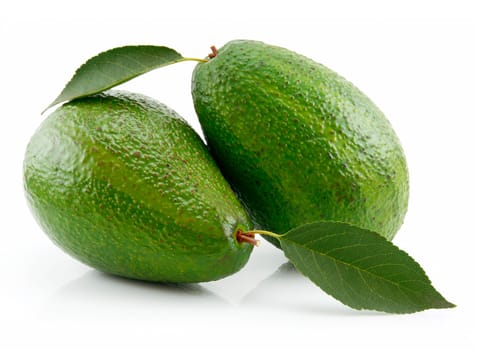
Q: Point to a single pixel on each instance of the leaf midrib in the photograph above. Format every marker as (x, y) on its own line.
(335, 260)
(75, 93)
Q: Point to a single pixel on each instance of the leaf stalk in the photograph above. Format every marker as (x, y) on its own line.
(264, 233)
(195, 59)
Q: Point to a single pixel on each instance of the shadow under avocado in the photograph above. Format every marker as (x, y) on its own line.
(101, 292)
(157, 287)
(288, 290)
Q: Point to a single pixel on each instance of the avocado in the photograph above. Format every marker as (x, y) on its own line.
(298, 142)
(122, 183)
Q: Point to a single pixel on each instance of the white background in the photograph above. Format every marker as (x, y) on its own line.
(417, 60)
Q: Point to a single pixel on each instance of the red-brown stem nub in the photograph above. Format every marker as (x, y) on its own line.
(214, 52)
(243, 237)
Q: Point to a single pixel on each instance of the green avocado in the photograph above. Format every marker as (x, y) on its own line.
(123, 184)
(298, 142)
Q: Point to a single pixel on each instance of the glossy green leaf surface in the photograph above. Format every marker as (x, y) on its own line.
(113, 67)
(360, 268)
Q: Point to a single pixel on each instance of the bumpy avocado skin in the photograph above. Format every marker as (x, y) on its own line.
(298, 142)
(123, 184)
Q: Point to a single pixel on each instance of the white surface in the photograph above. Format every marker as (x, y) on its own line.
(416, 60)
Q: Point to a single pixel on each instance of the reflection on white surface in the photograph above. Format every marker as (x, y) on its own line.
(287, 289)
(106, 296)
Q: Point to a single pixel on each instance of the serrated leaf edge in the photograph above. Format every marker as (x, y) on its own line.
(421, 270)
(62, 98)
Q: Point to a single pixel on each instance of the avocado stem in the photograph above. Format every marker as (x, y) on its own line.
(247, 237)
(214, 52)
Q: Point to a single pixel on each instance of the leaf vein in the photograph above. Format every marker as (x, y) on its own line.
(353, 266)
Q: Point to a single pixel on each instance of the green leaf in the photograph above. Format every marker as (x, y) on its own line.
(116, 66)
(360, 268)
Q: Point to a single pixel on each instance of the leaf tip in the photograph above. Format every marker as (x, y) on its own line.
(54, 103)
(444, 304)
(47, 108)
